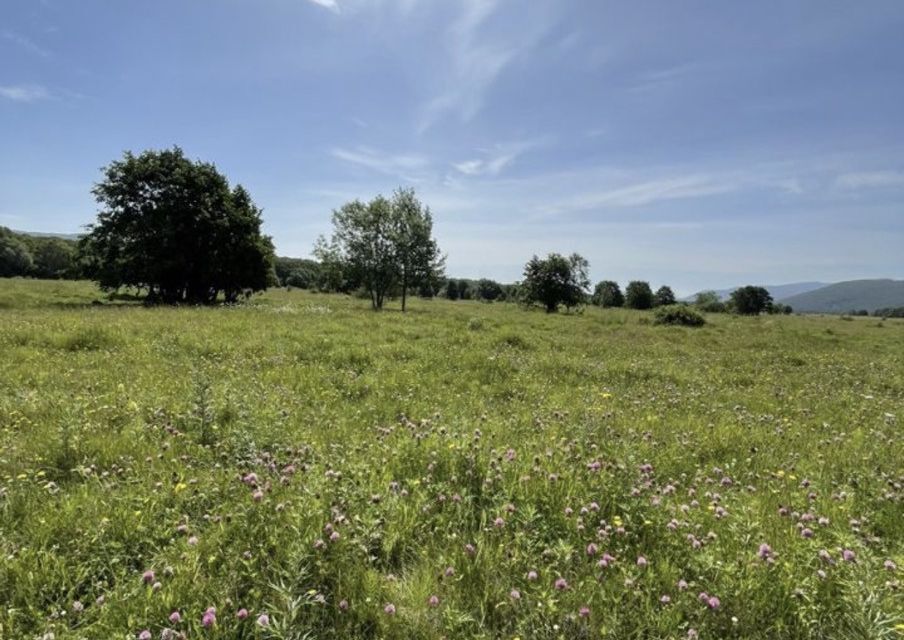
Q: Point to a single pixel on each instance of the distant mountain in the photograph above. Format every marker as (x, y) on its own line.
(778, 291)
(852, 295)
(38, 234)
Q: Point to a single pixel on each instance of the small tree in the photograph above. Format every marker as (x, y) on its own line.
(638, 295)
(750, 300)
(608, 294)
(663, 297)
(710, 302)
(382, 246)
(464, 290)
(489, 289)
(555, 281)
(451, 289)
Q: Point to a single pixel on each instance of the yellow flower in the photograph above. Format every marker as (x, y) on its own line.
(617, 521)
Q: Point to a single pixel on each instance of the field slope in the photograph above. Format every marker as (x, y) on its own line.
(460, 471)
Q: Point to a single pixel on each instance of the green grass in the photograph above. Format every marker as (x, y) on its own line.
(126, 432)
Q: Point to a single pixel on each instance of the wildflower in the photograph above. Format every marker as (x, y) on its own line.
(334, 536)
(532, 576)
(449, 572)
(692, 634)
(665, 599)
(433, 601)
(514, 594)
(848, 556)
(77, 607)
(148, 576)
(258, 495)
(806, 532)
(389, 609)
(175, 617)
(498, 523)
(561, 584)
(470, 550)
(144, 635)
(209, 618)
(641, 561)
(343, 605)
(682, 585)
(592, 549)
(584, 612)
(764, 552)
(713, 602)
(193, 540)
(889, 565)
(263, 620)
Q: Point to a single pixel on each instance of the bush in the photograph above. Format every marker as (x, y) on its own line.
(678, 314)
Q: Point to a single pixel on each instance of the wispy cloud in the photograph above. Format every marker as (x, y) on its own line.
(870, 180)
(24, 93)
(332, 5)
(475, 62)
(492, 161)
(650, 191)
(400, 165)
(25, 43)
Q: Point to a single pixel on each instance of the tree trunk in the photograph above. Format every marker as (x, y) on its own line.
(404, 291)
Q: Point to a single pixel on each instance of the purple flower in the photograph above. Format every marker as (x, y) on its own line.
(193, 540)
(148, 576)
(514, 594)
(584, 612)
(470, 550)
(713, 602)
(449, 572)
(209, 618)
(389, 609)
(764, 552)
(433, 601)
(848, 556)
(175, 617)
(532, 576)
(890, 565)
(682, 585)
(334, 536)
(144, 635)
(263, 620)
(665, 599)
(498, 523)
(561, 584)
(258, 495)
(641, 561)
(592, 549)
(806, 532)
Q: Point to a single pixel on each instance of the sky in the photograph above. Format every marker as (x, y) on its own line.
(697, 144)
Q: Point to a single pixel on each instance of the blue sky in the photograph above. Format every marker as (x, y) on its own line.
(696, 144)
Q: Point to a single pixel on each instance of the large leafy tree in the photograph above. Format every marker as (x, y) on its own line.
(555, 281)
(750, 300)
(175, 228)
(382, 245)
(15, 259)
(608, 294)
(638, 295)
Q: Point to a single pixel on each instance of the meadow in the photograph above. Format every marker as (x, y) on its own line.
(301, 467)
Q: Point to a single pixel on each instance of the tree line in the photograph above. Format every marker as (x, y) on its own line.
(176, 230)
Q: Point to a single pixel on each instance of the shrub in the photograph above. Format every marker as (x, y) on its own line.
(678, 315)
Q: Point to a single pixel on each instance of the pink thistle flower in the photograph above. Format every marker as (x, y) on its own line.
(682, 585)
(389, 609)
(470, 550)
(561, 584)
(889, 565)
(193, 540)
(433, 601)
(641, 561)
(343, 605)
(514, 594)
(592, 549)
(144, 635)
(263, 620)
(848, 556)
(764, 552)
(449, 572)
(148, 577)
(713, 603)
(175, 617)
(258, 495)
(584, 612)
(334, 536)
(665, 599)
(498, 523)
(532, 576)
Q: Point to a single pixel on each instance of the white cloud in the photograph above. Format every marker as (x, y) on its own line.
(24, 93)
(332, 5)
(496, 159)
(870, 180)
(26, 43)
(402, 165)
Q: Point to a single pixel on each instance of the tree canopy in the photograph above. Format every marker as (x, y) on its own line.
(750, 300)
(608, 294)
(177, 229)
(638, 295)
(382, 245)
(555, 281)
(663, 297)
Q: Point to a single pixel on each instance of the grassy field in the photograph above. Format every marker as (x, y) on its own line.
(463, 470)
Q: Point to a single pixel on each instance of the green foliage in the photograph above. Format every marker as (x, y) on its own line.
(890, 312)
(608, 294)
(489, 290)
(678, 314)
(300, 273)
(176, 229)
(408, 436)
(381, 246)
(750, 300)
(638, 295)
(709, 302)
(555, 281)
(663, 297)
(15, 259)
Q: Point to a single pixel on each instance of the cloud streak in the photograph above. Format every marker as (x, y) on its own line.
(24, 93)
(870, 180)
